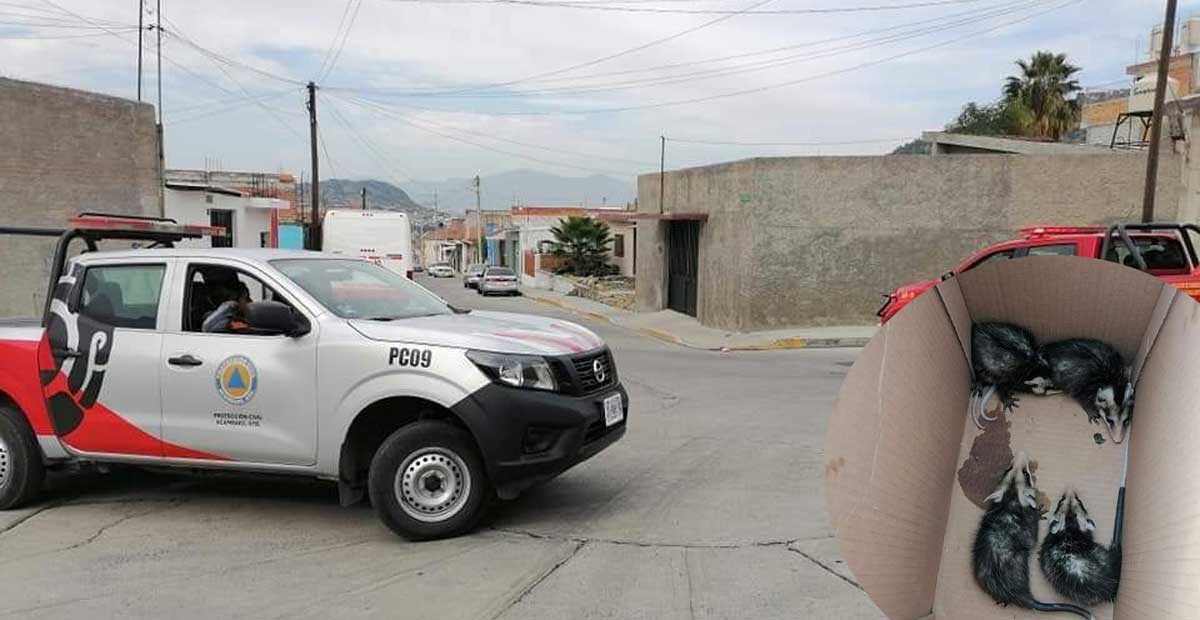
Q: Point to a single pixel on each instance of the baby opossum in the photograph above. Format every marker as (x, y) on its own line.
(1095, 375)
(1006, 359)
(1078, 567)
(1007, 535)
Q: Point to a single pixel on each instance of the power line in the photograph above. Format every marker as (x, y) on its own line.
(370, 146)
(634, 9)
(341, 46)
(768, 87)
(520, 143)
(220, 67)
(339, 39)
(784, 143)
(762, 65)
(624, 52)
(225, 60)
(487, 147)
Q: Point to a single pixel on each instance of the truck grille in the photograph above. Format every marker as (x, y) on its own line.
(585, 370)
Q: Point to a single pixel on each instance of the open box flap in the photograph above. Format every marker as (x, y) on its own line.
(890, 456)
(1161, 569)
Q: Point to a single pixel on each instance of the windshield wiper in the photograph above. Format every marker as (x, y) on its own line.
(382, 319)
(458, 310)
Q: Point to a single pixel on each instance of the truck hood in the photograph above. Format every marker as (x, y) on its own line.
(502, 332)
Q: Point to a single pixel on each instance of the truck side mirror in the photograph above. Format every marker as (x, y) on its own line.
(273, 317)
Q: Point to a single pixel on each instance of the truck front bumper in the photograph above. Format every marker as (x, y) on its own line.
(530, 436)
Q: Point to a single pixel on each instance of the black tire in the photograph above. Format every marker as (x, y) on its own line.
(449, 451)
(21, 469)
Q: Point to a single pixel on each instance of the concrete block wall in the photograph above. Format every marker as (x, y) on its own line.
(66, 151)
(817, 240)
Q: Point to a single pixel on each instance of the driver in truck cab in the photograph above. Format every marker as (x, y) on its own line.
(231, 297)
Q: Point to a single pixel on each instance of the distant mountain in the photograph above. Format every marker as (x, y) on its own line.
(530, 187)
(380, 194)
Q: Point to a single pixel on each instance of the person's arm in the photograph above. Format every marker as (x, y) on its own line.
(219, 320)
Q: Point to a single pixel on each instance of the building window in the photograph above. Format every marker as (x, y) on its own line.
(619, 246)
(224, 219)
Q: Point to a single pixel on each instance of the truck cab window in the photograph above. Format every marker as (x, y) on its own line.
(212, 286)
(1060, 249)
(991, 258)
(122, 295)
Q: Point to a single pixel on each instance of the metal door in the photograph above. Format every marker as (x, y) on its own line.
(683, 257)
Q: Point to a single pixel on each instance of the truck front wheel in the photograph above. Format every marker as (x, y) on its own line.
(427, 481)
(21, 468)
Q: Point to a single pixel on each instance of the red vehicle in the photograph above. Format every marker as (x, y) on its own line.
(1163, 250)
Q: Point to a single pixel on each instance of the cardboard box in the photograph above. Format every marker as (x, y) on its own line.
(907, 471)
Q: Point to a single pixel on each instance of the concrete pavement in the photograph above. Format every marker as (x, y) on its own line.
(686, 331)
(710, 507)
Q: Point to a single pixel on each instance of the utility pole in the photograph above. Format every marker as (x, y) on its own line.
(662, 174)
(1160, 92)
(141, 30)
(162, 152)
(314, 223)
(364, 198)
(478, 222)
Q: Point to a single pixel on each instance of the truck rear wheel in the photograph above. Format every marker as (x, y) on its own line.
(427, 481)
(21, 468)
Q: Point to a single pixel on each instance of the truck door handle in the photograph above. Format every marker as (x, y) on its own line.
(66, 353)
(184, 360)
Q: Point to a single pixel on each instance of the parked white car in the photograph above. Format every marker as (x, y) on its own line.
(440, 270)
(498, 281)
(472, 274)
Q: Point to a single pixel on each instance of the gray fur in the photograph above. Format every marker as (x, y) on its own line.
(1076, 566)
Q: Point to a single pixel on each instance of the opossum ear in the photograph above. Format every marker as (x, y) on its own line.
(1085, 524)
(995, 497)
(1056, 525)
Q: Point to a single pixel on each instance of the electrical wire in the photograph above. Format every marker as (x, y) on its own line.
(784, 143)
(634, 9)
(220, 67)
(339, 40)
(225, 60)
(608, 57)
(380, 156)
(763, 65)
(395, 116)
(341, 46)
(775, 86)
(766, 52)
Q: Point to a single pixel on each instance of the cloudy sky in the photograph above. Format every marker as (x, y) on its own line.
(431, 89)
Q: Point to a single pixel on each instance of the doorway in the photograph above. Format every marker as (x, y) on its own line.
(683, 258)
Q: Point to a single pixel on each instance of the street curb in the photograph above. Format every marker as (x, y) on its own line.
(781, 344)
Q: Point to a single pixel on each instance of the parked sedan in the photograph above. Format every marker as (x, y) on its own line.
(472, 274)
(498, 280)
(441, 270)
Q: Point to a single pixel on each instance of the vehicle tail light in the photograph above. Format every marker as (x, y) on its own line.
(409, 274)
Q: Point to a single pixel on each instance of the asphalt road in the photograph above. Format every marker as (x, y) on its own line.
(710, 507)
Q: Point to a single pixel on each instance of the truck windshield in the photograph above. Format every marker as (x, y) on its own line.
(355, 289)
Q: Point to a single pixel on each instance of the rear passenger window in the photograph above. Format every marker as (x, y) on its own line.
(1065, 249)
(122, 295)
(992, 258)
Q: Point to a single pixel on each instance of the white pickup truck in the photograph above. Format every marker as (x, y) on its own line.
(328, 367)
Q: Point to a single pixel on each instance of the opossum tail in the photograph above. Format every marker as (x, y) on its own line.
(979, 407)
(1065, 608)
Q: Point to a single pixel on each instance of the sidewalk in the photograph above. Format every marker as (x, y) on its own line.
(684, 330)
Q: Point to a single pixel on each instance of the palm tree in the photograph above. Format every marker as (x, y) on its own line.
(1044, 89)
(584, 242)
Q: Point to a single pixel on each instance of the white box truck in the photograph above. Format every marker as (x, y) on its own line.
(383, 237)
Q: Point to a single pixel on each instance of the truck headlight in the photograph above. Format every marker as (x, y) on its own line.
(523, 371)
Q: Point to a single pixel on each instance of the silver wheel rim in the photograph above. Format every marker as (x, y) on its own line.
(432, 484)
(4, 464)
